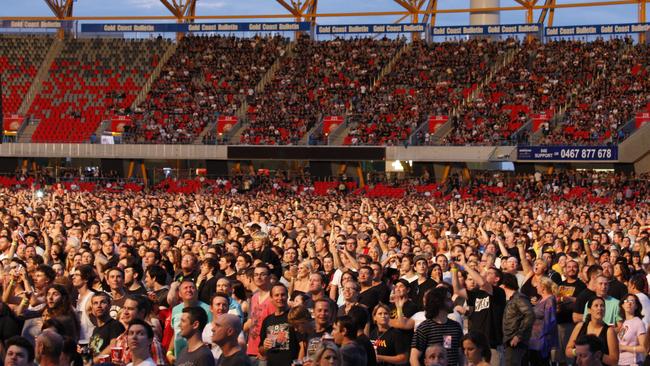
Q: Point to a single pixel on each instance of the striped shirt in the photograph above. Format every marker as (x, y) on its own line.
(448, 335)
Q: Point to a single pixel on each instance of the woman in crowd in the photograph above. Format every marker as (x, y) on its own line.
(544, 335)
(632, 333)
(327, 354)
(390, 344)
(595, 325)
(476, 349)
(300, 279)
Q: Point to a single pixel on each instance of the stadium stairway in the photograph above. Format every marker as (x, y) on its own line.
(37, 83)
(337, 137)
(142, 95)
(556, 123)
(389, 66)
(502, 63)
(304, 140)
(25, 136)
(242, 112)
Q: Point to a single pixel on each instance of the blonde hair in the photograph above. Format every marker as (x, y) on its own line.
(548, 285)
(323, 348)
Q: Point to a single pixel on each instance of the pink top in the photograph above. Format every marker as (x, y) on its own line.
(258, 312)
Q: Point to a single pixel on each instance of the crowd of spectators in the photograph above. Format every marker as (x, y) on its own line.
(598, 112)
(320, 78)
(428, 79)
(542, 78)
(476, 276)
(207, 76)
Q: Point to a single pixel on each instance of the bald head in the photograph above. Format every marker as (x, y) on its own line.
(231, 321)
(226, 329)
(49, 344)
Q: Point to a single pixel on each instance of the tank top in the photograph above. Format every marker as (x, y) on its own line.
(602, 336)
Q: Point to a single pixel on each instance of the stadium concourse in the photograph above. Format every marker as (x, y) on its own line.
(273, 269)
(275, 91)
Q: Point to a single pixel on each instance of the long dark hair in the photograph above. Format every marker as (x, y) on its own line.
(480, 341)
(64, 306)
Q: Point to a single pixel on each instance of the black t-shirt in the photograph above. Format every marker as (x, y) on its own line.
(207, 288)
(583, 298)
(238, 359)
(383, 292)
(389, 343)
(138, 291)
(286, 347)
(367, 345)
(370, 297)
(202, 356)
(116, 306)
(419, 289)
(486, 313)
(617, 290)
(268, 256)
(565, 308)
(408, 310)
(102, 335)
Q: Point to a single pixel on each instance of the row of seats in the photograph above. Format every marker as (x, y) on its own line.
(206, 77)
(20, 59)
(319, 79)
(91, 80)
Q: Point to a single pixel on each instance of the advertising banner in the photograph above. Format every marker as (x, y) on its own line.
(586, 153)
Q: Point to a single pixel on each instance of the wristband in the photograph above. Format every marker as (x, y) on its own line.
(24, 302)
(574, 352)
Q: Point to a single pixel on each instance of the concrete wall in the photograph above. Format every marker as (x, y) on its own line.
(114, 151)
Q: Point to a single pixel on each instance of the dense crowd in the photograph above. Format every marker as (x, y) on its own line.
(320, 79)
(206, 77)
(621, 89)
(500, 269)
(428, 79)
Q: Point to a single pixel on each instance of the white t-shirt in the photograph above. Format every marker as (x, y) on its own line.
(147, 362)
(645, 305)
(86, 324)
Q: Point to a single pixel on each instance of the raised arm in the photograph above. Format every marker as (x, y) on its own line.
(525, 264)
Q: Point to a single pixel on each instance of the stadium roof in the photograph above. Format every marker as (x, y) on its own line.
(326, 11)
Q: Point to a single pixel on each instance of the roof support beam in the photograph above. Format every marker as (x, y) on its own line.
(430, 12)
(172, 8)
(407, 6)
(545, 11)
(291, 9)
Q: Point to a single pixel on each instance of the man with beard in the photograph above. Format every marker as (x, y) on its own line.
(437, 328)
(133, 277)
(568, 291)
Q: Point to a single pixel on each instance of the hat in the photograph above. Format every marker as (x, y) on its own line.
(404, 282)
(420, 257)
